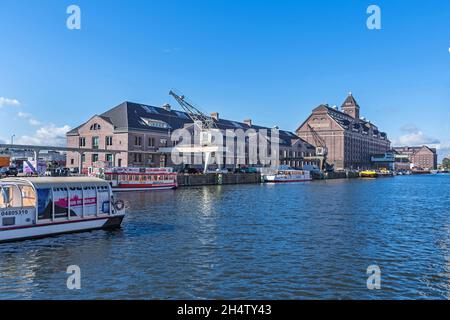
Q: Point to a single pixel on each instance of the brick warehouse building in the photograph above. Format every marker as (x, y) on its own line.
(416, 157)
(351, 140)
(141, 130)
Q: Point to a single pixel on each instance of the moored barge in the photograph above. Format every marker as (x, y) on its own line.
(141, 179)
(288, 175)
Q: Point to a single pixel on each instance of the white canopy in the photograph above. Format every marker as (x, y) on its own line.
(65, 182)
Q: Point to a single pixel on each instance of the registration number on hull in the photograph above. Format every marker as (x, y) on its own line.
(13, 213)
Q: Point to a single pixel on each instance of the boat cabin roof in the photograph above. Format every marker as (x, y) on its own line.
(47, 182)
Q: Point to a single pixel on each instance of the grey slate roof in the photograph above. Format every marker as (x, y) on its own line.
(346, 121)
(128, 117)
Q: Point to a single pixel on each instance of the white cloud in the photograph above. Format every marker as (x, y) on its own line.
(409, 128)
(415, 137)
(30, 118)
(49, 135)
(24, 115)
(9, 102)
(443, 149)
(34, 122)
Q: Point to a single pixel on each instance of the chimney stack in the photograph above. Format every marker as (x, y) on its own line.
(167, 107)
(248, 122)
(215, 116)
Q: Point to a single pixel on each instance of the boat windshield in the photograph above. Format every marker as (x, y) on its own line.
(17, 196)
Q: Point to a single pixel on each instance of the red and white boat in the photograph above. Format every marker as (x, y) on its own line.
(141, 179)
(40, 207)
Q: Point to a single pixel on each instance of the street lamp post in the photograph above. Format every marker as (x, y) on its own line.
(12, 138)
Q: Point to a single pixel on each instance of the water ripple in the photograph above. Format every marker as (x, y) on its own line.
(299, 241)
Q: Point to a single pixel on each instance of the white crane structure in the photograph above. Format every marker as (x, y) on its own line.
(206, 126)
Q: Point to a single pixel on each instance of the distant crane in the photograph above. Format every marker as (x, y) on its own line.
(194, 113)
(321, 150)
(321, 147)
(206, 125)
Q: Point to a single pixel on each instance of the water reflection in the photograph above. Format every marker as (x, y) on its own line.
(312, 240)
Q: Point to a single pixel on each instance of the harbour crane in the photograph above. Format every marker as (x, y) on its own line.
(206, 125)
(194, 113)
(321, 150)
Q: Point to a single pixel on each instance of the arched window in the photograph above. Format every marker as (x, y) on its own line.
(95, 126)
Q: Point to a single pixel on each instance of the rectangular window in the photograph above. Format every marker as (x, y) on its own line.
(137, 157)
(82, 142)
(109, 157)
(95, 142)
(94, 157)
(109, 141)
(83, 158)
(151, 142)
(138, 141)
(72, 161)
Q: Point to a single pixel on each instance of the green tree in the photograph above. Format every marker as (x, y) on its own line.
(446, 163)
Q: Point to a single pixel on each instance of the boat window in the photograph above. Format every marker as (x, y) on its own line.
(61, 202)
(10, 197)
(45, 204)
(8, 221)
(3, 198)
(28, 196)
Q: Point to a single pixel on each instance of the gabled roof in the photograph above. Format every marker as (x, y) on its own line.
(129, 116)
(433, 150)
(415, 149)
(74, 131)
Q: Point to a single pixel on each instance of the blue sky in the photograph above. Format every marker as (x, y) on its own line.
(272, 61)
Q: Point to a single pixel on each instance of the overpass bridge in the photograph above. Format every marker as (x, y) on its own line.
(80, 151)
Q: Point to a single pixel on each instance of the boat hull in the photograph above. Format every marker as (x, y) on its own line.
(287, 181)
(286, 178)
(136, 187)
(44, 230)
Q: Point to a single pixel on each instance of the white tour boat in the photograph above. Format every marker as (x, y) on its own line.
(141, 179)
(39, 207)
(287, 175)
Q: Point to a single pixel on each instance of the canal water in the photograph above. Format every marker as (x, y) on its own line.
(293, 241)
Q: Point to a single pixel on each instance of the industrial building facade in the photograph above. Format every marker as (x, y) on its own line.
(419, 158)
(143, 131)
(351, 140)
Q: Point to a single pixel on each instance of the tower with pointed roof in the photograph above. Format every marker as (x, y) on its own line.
(351, 140)
(351, 107)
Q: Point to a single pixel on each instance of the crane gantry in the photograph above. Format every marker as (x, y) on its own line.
(206, 125)
(321, 150)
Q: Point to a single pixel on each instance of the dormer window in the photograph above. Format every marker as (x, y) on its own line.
(95, 127)
(155, 123)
